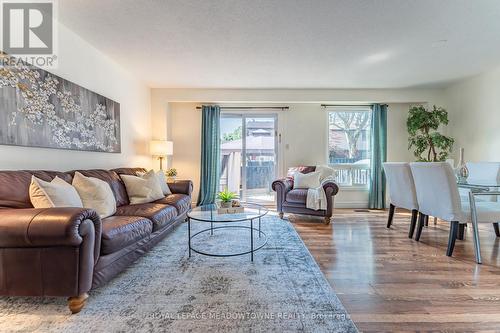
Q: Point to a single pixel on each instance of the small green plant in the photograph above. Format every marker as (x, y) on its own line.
(226, 196)
(424, 137)
(171, 172)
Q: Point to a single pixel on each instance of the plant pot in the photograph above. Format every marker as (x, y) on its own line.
(226, 204)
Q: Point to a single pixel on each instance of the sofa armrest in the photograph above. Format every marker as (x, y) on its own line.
(281, 186)
(49, 252)
(181, 187)
(43, 227)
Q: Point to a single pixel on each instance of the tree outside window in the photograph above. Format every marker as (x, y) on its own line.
(349, 137)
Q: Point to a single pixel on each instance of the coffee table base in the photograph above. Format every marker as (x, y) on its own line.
(211, 230)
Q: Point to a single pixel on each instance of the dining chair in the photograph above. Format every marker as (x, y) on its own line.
(437, 195)
(401, 192)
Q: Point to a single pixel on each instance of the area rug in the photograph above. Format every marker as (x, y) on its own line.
(283, 290)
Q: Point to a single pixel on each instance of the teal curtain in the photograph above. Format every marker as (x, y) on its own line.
(210, 154)
(376, 198)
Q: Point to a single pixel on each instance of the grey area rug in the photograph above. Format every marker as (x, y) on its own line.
(283, 290)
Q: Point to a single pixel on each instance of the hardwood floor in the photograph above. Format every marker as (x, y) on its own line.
(389, 282)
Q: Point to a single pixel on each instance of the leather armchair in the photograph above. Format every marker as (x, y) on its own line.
(37, 244)
(290, 200)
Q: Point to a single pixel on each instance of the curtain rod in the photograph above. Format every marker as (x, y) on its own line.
(328, 105)
(250, 107)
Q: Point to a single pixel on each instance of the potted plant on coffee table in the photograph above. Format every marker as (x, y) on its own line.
(226, 198)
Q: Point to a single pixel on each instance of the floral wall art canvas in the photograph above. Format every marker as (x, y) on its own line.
(39, 109)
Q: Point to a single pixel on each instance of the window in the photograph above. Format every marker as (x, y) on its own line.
(349, 144)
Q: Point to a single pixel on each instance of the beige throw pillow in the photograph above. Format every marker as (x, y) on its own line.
(96, 194)
(56, 193)
(162, 179)
(143, 189)
(306, 180)
(163, 183)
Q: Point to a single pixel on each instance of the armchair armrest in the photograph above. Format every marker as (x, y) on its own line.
(181, 187)
(330, 188)
(43, 227)
(281, 186)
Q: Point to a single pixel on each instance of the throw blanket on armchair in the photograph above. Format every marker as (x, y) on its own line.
(316, 197)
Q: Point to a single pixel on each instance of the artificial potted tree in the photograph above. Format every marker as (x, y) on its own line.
(428, 144)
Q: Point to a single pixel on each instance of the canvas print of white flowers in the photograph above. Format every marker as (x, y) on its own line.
(39, 109)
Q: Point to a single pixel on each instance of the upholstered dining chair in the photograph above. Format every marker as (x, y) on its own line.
(401, 192)
(437, 195)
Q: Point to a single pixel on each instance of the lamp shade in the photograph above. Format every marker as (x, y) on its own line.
(161, 148)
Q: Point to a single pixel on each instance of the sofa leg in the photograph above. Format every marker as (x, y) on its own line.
(327, 220)
(281, 215)
(77, 303)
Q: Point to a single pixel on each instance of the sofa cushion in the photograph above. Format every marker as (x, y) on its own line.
(298, 195)
(181, 202)
(114, 181)
(161, 215)
(119, 232)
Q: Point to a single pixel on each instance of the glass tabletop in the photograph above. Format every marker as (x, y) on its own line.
(479, 183)
(208, 213)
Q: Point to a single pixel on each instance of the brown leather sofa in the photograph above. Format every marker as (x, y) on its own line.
(293, 200)
(68, 251)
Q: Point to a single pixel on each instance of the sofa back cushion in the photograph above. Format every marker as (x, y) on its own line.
(14, 186)
(114, 181)
(129, 171)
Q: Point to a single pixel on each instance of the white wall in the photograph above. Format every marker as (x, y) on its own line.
(84, 65)
(474, 107)
(303, 126)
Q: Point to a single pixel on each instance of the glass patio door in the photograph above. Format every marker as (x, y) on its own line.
(249, 155)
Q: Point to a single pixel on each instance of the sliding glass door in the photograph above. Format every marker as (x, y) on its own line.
(249, 155)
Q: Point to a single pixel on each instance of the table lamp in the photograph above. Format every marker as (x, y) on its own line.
(161, 149)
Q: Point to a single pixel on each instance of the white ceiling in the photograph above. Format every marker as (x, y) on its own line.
(292, 43)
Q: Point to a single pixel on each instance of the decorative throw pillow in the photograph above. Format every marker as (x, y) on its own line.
(306, 180)
(143, 189)
(96, 194)
(163, 183)
(162, 179)
(325, 172)
(56, 193)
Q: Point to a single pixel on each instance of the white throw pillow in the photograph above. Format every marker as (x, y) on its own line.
(162, 179)
(143, 189)
(56, 193)
(325, 172)
(163, 183)
(96, 194)
(306, 180)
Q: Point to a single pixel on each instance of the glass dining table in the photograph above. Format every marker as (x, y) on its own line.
(477, 188)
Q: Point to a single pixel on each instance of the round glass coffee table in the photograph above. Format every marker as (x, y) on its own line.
(244, 220)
